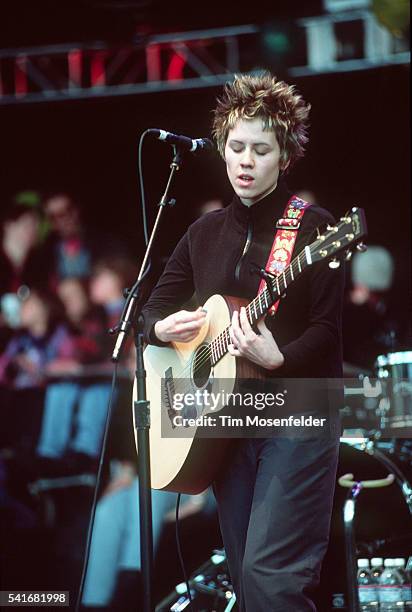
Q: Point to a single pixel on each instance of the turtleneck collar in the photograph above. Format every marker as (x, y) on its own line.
(268, 209)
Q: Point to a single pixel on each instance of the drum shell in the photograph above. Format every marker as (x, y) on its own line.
(395, 373)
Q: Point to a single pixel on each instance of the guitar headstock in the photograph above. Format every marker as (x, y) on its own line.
(343, 236)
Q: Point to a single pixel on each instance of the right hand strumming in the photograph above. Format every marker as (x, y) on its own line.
(181, 326)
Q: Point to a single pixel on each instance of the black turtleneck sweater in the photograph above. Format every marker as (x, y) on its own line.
(215, 256)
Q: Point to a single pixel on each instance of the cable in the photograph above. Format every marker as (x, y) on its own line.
(179, 552)
(142, 192)
(96, 490)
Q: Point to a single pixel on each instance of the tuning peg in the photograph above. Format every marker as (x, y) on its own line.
(334, 264)
(348, 255)
(332, 228)
(361, 247)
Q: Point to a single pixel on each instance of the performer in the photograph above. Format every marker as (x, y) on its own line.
(275, 494)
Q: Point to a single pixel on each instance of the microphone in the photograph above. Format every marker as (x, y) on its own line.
(188, 144)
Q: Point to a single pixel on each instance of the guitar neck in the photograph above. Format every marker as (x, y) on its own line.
(260, 305)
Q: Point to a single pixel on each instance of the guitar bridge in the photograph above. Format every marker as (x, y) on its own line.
(168, 392)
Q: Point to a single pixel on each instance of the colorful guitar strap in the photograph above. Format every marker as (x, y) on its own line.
(284, 241)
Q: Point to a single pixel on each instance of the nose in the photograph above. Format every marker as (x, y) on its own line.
(247, 160)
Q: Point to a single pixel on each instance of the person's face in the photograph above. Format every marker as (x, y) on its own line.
(252, 157)
(63, 215)
(33, 312)
(105, 286)
(24, 230)
(74, 297)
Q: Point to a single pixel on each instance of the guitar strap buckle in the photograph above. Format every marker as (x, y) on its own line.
(286, 223)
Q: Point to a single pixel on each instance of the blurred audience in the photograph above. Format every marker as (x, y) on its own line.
(113, 573)
(20, 239)
(369, 322)
(20, 263)
(109, 279)
(72, 248)
(88, 324)
(209, 205)
(308, 196)
(73, 436)
(42, 339)
(115, 547)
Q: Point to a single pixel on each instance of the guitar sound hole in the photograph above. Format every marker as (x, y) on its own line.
(201, 367)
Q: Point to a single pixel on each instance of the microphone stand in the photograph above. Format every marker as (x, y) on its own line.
(141, 407)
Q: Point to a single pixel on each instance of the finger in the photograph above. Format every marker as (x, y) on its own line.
(232, 339)
(191, 326)
(231, 336)
(233, 350)
(184, 316)
(186, 337)
(244, 322)
(236, 323)
(237, 333)
(262, 327)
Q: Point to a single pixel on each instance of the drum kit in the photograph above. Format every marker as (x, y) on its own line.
(377, 422)
(382, 403)
(373, 500)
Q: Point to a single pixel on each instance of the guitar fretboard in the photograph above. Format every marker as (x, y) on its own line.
(258, 307)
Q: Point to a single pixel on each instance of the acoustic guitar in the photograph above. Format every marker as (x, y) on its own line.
(181, 460)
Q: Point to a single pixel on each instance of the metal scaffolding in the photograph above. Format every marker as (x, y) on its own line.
(189, 60)
(156, 63)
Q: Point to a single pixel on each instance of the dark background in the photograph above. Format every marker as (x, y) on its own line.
(358, 154)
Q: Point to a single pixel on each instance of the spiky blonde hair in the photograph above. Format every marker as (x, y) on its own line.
(275, 102)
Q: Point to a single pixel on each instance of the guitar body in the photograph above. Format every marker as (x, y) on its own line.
(188, 464)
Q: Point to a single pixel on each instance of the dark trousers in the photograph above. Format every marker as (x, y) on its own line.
(274, 501)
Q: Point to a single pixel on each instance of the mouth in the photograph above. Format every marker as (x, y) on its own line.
(245, 180)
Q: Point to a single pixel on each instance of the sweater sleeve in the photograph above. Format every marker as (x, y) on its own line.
(174, 287)
(323, 332)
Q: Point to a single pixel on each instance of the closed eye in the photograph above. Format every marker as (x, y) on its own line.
(236, 149)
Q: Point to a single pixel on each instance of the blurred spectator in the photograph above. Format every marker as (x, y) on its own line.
(369, 324)
(42, 339)
(19, 253)
(115, 546)
(88, 323)
(114, 563)
(209, 205)
(109, 279)
(307, 195)
(76, 405)
(72, 249)
(75, 410)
